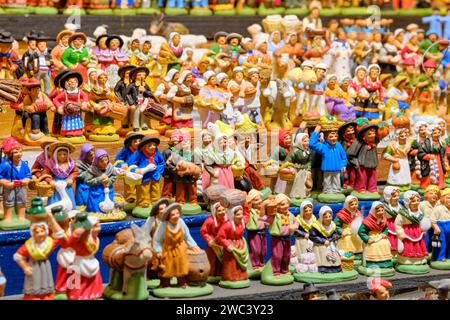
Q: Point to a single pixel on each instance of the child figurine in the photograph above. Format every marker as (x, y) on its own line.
(282, 225)
(122, 161)
(377, 256)
(300, 156)
(397, 154)
(168, 190)
(362, 154)
(256, 231)
(334, 160)
(235, 252)
(392, 208)
(83, 163)
(306, 220)
(150, 164)
(347, 135)
(33, 258)
(440, 222)
(62, 168)
(14, 178)
(85, 242)
(347, 221)
(411, 226)
(209, 231)
(172, 243)
(431, 155)
(100, 178)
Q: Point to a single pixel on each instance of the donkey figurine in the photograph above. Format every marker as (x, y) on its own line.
(128, 256)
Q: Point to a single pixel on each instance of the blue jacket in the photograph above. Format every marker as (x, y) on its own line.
(140, 159)
(333, 156)
(125, 155)
(5, 171)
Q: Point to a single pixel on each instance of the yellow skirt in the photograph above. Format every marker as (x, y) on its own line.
(351, 243)
(379, 250)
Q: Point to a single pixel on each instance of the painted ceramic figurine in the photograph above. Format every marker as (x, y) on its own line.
(168, 190)
(334, 160)
(76, 56)
(431, 198)
(120, 90)
(40, 63)
(392, 208)
(182, 99)
(149, 163)
(10, 64)
(377, 256)
(214, 250)
(15, 176)
(421, 135)
(411, 226)
(62, 40)
(83, 164)
(397, 154)
(279, 154)
(440, 218)
(306, 220)
(347, 135)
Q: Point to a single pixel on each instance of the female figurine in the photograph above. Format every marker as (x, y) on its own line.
(62, 168)
(293, 48)
(209, 231)
(171, 243)
(431, 156)
(306, 220)
(83, 163)
(85, 242)
(181, 97)
(175, 49)
(76, 56)
(421, 135)
(100, 178)
(397, 154)
(235, 252)
(411, 50)
(346, 221)
(396, 97)
(392, 208)
(41, 160)
(426, 85)
(431, 197)
(340, 53)
(411, 226)
(62, 40)
(280, 154)
(389, 56)
(377, 256)
(337, 101)
(256, 230)
(316, 49)
(236, 87)
(118, 56)
(373, 87)
(357, 90)
(33, 258)
(275, 42)
(101, 51)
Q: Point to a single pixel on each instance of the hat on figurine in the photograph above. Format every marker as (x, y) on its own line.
(6, 37)
(220, 34)
(234, 36)
(315, 5)
(131, 136)
(252, 71)
(344, 127)
(31, 35)
(208, 74)
(110, 38)
(321, 65)
(364, 129)
(411, 27)
(169, 209)
(9, 144)
(331, 77)
(62, 34)
(220, 77)
(307, 63)
(155, 208)
(399, 80)
(444, 192)
(333, 295)
(70, 75)
(170, 74)
(78, 35)
(309, 288)
(183, 76)
(31, 83)
(385, 76)
(345, 79)
(238, 69)
(147, 140)
(136, 70)
(100, 37)
(82, 220)
(59, 214)
(409, 62)
(122, 70)
(420, 31)
(398, 31)
(430, 63)
(58, 77)
(41, 37)
(61, 145)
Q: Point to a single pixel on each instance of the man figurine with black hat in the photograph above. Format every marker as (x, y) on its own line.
(120, 90)
(40, 62)
(149, 162)
(31, 41)
(310, 292)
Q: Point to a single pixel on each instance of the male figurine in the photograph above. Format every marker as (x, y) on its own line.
(40, 62)
(10, 64)
(31, 42)
(435, 22)
(233, 50)
(220, 42)
(120, 90)
(62, 40)
(440, 222)
(316, 103)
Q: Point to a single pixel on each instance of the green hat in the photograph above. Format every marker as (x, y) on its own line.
(59, 213)
(37, 207)
(84, 221)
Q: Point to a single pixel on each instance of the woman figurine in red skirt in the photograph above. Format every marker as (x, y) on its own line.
(235, 252)
(411, 226)
(87, 281)
(209, 231)
(392, 208)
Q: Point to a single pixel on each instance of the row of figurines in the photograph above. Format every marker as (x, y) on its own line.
(162, 250)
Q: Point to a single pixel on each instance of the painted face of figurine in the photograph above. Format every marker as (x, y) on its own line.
(315, 13)
(379, 212)
(114, 44)
(353, 205)
(42, 46)
(305, 142)
(150, 148)
(207, 139)
(90, 156)
(377, 37)
(423, 131)
(238, 215)
(102, 43)
(443, 126)
(140, 76)
(146, 47)
(77, 43)
(221, 40)
(371, 135)
(373, 74)
(395, 195)
(276, 37)
(361, 74)
(287, 140)
(39, 234)
(283, 206)
(257, 202)
(234, 42)
(331, 84)
(65, 40)
(220, 212)
(32, 44)
(320, 73)
(326, 219)
(436, 135)
(254, 78)
(102, 79)
(188, 80)
(292, 40)
(349, 132)
(332, 137)
(35, 91)
(103, 162)
(62, 156)
(161, 209)
(238, 77)
(134, 143)
(432, 37)
(212, 81)
(92, 76)
(382, 293)
(344, 85)
(72, 83)
(263, 47)
(312, 296)
(203, 66)
(446, 198)
(413, 40)
(429, 71)
(176, 40)
(403, 135)
(17, 155)
(135, 44)
(174, 216)
(307, 212)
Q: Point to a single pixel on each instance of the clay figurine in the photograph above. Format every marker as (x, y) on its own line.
(397, 154)
(440, 217)
(83, 164)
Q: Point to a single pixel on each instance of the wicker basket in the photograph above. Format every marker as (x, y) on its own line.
(347, 264)
(120, 173)
(270, 169)
(238, 168)
(132, 178)
(287, 176)
(43, 188)
(272, 23)
(291, 24)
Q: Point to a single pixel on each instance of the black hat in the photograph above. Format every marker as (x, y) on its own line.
(135, 71)
(123, 69)
(232, 36)
(31, 35)
(364, 129)
(147, 140)
(309, 288)
(99, 38)
(41, 36)
(156, 205)
(333, 295)
(108, 41)
(344, 127)
(69, 75)
(58, 77)
(131, 136)
(6, 37)
(220, 34)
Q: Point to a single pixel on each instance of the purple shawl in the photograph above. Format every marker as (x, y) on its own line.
(103, 55)
(85, 149)
(98, 154)
(119, 54)
(41, 159)
(58, 171)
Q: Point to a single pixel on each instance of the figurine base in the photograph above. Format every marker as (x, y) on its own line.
(381, 272)
(297, 11)
(253, 273)
(124, 12)
(263, 11)
(317, 277)
(331, 197)
(137, 289)
(234, 284)
(230, 12)
(176, 12)
(193, 132)
(190, 209)
(14, 224)
(154, 283)
(415, 187)
(440, 265)
(246, 12)
(421, 191)
(45, 10)
(104, 138)
(128, 207)
(203, 12)
(23, 10)
(413, 268)
(76, 11)
(73, 140)
(122, 132)
(142, 213)
(115, 215)
(266, 192)
(148, 11)
(60, 296)
(366, 196)
(214, 279)
(100, 12)
(315, 194)
(295, 202)
(346, 191)
(187, 292)
(268, 278)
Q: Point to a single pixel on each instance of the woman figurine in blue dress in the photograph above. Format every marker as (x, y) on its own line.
(83, 164)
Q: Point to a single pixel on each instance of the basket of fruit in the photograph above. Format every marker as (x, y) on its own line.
(287, 171)
(238, 167)
(270, 169)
